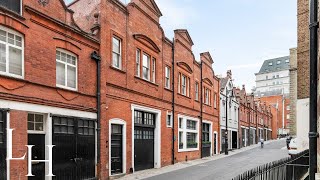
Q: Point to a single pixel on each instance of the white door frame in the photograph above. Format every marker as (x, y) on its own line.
(216, 133)
(124, 144)
(210, 134)
(157, 133)
(46, 110)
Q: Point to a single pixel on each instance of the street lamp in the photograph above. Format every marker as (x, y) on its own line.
(226, 132)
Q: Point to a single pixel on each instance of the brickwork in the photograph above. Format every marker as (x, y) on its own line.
(293, 90)
(44, 30)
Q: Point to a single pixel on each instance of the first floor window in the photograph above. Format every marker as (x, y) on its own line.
(35, 122)
(146, 67)
(197, 91)
(153, 70)
(184, 85)
(215, 100)
(167, 77)
(116, 52)
(188, 135)
(11, 53)
(138, 59)
(66, 69)
(169, 120)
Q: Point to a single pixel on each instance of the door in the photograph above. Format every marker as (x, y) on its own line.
(243, 137)
(3, 144)
(74, 151)
(116, 149)
(206, 142)
(38, 153)
(234, 139)
(144, 124)
(215, 143)
(223, 140)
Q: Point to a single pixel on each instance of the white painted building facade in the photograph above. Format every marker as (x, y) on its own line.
(229, 106)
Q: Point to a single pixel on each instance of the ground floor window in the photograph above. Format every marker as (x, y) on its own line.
(188, 133)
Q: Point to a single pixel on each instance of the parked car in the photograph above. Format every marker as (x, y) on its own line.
(293, 147)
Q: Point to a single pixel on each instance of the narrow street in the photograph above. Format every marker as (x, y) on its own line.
(229, 167)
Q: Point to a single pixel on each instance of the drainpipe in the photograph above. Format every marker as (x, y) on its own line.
(257, 130)
(313, 135)
(201, 109)
(249, 126)
(95, 56)
(173, 102)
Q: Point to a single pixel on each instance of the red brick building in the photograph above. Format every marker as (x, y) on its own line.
(48, 84)
(282, 104)
(255, 119)
(161, 103)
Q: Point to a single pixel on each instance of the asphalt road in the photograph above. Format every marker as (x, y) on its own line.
(229, 167)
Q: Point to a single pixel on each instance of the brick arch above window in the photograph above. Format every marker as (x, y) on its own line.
(185, 66)
(208, 81)
(145, 40)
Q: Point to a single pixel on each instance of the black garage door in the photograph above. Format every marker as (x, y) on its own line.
(3, 144)
(74, 151)
(144, 124)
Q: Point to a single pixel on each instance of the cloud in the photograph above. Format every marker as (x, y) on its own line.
(245, 66)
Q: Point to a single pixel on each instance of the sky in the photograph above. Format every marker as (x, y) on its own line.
(239, 34)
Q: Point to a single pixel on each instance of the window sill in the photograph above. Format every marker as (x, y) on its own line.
(184, 96)
(66, 88)
(207, 105)
(12, 76)
(197, 101)
(168, 89)
(188, 150)
(137, 77)
(117, 69)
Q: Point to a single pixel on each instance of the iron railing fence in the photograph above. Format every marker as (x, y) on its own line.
(291, 168)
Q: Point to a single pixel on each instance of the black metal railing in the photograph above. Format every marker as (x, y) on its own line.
(294, 167)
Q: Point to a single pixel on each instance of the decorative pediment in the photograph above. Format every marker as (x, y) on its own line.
(185, 66)
(207, 56)
(185, 35)
(147, 42)
(152, 5)
(207, 80)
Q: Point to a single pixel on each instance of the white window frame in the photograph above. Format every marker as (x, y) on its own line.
(7, 44)
(215, 100)
(207, 92)
(184, 130)
(66, 70)
(167, 72)
(154, 70)
(197, 91)
(169, 114)
(36, 131)
(184, 85)
(119, 54)
(147, 67)
(138, 61)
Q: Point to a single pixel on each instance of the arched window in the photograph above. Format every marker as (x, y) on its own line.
(11, 53)
(66, 69)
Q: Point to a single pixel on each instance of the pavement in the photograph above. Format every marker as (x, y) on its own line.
(219, 167)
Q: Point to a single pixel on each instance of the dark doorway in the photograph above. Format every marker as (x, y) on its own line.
(38, 153)
(206, 142)
(215, 143)
(116, 149)
(223, 140)
(234, 139)
(3, 144)
(243, 137)
(144, 124)
(74, 151)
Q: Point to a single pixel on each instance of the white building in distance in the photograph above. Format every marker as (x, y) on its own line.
(273, 77)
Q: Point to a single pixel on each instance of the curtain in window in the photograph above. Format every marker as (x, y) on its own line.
(15, 61)
(60, 78)
(71, 77)
(2, 57)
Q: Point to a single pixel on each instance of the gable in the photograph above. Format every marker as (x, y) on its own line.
(152, 5)
(185, 35)
(206, 56)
